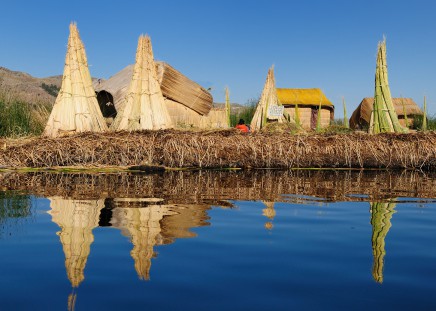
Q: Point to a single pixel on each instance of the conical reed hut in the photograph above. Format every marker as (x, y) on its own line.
(381, 214)
(76, 108)
(77, 219)
(384, 119)
(267, 100)
(145, 106)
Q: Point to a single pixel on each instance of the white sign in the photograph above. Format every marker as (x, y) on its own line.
(275, 112)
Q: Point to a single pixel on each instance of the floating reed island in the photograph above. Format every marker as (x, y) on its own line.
(223, 149)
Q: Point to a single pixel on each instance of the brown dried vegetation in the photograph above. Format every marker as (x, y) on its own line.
(222, 149)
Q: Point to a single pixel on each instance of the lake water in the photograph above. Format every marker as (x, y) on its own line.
(253, 240)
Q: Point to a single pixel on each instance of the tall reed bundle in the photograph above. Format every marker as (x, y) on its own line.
(424, 116)
(381, 214)
(228, 108)
(76, 108)
(383, 117)
(145, 106)
(268, 98)
(346, 123)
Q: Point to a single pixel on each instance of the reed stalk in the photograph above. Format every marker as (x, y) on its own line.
(424, 116)
(346, 122)
(228, 107)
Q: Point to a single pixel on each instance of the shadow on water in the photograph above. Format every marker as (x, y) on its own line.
(157, 209)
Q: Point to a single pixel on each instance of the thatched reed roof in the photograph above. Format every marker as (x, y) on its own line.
(362, 114)
(76, 108)
(174, 86)
(145, 107)
(303, 97)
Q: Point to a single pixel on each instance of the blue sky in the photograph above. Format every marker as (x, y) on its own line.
(326, 44)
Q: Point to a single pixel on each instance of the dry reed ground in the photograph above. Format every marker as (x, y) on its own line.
(227, 148)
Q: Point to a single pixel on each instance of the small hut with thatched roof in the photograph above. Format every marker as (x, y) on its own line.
(305, 106)
(76, 108)
(405, 108)
(187, 103)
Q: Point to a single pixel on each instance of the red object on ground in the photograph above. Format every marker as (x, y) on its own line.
(243, 128)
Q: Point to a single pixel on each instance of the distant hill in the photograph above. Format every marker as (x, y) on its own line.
(20, 85)
(234, 107)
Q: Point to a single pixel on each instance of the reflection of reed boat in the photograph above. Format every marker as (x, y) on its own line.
(381, 214)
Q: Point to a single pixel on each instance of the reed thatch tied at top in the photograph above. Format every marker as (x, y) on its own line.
(267, 99)
(76, 108)
(145, 106)
(383, 117)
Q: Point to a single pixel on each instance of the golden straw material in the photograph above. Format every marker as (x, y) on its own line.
(267, 99)
(383, 119)
(303, 97)
(76, 108)
(145, 107)
(77, 219)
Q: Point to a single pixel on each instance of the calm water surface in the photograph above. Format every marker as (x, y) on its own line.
(218, 241)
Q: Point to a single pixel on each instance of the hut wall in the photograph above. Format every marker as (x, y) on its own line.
(306, 116)
(216, 118)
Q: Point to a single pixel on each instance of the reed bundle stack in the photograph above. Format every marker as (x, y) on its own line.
(145, 106)
(404, 108)
(383, 116)
(76, 108)
(381, 214)
(77, 219)
(267, 99)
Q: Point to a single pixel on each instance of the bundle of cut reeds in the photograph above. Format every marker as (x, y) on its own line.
(383, 117)
(179, 88)
(267, 99)
(76, 108)
(145, 107)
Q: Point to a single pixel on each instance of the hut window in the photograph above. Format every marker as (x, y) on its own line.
(106, 103)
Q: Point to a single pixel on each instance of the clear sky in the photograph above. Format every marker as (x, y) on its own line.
(329, 44)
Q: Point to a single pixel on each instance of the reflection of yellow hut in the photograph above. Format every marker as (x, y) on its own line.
(270, 213)
(381, 214)
(142, 225)
(76, 218)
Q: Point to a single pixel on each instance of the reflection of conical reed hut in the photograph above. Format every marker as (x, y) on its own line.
(142, 225)
(381, 214)
(76, 108)
(383, 115)
(270, 213)
(76, 218)
(145, 107)
(267, 101)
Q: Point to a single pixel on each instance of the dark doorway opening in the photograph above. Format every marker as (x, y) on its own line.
(106, 103)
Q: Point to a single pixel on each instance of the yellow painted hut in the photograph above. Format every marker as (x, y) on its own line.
(405, 108)
(303, 105)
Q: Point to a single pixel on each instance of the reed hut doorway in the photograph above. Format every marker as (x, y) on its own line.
(313, 117)
(106, 103)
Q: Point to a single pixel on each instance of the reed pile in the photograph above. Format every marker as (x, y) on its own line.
(226, 148)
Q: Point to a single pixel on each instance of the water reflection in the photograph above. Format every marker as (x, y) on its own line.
(157, 209)
(381, 214)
